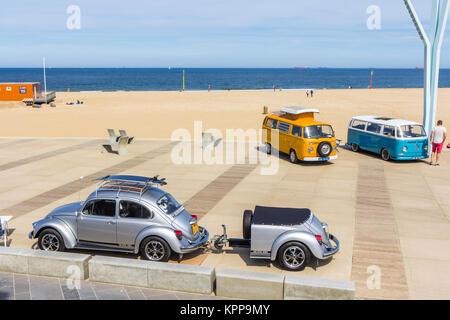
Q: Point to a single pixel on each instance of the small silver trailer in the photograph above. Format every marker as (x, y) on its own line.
(291, 236)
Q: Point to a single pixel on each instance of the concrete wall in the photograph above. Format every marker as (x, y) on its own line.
(44, 263)
(181, 277)
(249, 285)
(158, 275)
(230, 283)
(308, 288)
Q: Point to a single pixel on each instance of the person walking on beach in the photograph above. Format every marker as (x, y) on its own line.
(311, 92)
(437, 138)
(209, 87)
(307, 93)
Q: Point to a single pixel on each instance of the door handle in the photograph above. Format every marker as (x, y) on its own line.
(111, 222)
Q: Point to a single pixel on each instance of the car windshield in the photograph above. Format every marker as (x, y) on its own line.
(318, 131)
(168, 204)
(411, 131)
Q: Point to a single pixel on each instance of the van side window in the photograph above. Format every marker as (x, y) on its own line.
(358, 124)
(284, 127)
(296, 131)
(272, 123)
(389, 131)
(373, 127)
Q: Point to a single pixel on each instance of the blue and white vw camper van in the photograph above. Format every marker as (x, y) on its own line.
(392, 138)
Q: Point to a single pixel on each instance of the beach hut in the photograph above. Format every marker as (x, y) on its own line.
(27, 92)
(17, 91)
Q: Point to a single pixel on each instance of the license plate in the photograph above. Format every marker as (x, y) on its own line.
(194, 228)
(324, 159)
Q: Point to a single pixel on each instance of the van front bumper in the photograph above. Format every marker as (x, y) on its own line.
(403, 157)
(319, 158)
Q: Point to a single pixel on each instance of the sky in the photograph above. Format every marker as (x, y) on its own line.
(213, 33)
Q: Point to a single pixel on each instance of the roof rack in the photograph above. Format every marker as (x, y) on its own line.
(137, 184)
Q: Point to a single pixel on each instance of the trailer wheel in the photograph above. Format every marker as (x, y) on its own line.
(247, 223)
(294, 256)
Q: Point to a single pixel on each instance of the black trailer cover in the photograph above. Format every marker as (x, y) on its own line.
(280, 216)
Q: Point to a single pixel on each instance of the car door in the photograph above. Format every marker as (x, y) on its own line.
(97, 222)
(133, 217)
(297, 142)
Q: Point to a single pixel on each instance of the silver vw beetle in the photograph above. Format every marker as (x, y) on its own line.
(126, 214)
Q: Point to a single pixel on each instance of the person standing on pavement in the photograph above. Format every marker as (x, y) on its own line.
(437, 138)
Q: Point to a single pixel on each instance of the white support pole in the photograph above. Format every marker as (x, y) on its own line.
(439, 24)
(427, 61)
(432, 44)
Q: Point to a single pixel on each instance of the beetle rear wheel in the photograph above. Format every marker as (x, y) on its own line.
(155, 249)
(294, 256)
(50, 240)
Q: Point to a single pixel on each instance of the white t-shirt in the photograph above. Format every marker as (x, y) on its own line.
(438, 134)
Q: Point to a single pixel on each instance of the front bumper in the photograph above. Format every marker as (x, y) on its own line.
(332, 251)
(200, 243)
(320, 158)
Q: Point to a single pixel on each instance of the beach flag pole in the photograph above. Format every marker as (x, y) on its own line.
(432, 55)
(183, 79)
(45, 82)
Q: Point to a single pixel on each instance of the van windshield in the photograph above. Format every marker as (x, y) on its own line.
(168, 204)
(411, 131)
(318, 131)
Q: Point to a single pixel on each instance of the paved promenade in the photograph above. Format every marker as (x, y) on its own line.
(393, 217)
(24, 287)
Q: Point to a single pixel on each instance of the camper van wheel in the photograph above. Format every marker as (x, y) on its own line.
(355, 147)
(268, 148)
(293, 156)
(385, 154)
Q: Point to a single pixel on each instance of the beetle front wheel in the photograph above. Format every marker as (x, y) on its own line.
(50, 240)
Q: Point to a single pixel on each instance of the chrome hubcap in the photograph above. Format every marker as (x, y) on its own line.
(50, 242)
(154, 250)
(294, 256)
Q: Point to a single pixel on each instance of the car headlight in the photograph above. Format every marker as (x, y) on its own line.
(404, 149)
(310, 150)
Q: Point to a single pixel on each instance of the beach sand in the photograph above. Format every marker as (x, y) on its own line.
(158, 114)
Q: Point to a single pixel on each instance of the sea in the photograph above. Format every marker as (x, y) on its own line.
(171, 79)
